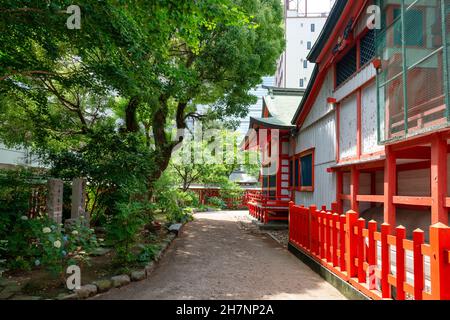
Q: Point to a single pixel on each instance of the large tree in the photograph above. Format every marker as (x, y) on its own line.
(135, 71)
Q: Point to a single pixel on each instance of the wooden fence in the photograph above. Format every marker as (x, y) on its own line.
(377, 260)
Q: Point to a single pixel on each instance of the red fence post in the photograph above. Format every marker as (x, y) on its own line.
(313, 220)
(351, 243)
(418, 239)
(440, 261)
(312, 214)
(323, 253)
(335, 239)
(328, 236)
(305, 235)
(372, 226)
(400, 263)
(308, 229)
(334, 207)
(290, 220)
(385, 261)
(342, 245)
(361, 258)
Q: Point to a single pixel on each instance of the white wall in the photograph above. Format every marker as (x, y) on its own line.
(319, 131)
(347, 127)
(369, 133)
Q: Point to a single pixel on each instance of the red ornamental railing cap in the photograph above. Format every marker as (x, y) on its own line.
(418, 230)
(401, 227)
(440, 225)
(372, 221)
(351, 212)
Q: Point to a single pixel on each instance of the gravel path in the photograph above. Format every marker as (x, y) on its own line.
(221, 256)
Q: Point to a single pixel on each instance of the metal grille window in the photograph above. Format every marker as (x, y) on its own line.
(413, 83)
(367, 48)
(346, 67)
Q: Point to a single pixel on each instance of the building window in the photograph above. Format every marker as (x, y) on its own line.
(346, 67)
(313, 27)
(308, 45)
(305, 64)
(303, 179)
(306, 171)
(302, 83)
(367, 48)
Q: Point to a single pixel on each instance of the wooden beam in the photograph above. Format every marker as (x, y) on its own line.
(439, 212)
(370, 198)
(346, 196)
(379, 164)
(414, 166)
(417, 152)
(390, 186)
(415, 201)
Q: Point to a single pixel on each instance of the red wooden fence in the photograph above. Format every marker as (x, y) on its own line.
(377, 260)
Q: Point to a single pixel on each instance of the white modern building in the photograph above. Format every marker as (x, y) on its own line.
(255, 110)
(13, 157)
(304, 21)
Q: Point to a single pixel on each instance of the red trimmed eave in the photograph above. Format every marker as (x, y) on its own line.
(246, 146)
(352, 9)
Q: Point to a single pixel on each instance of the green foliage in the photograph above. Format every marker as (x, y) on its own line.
(15, 190)
(40, 242)
(148, 253)
(101, 102)
(123, 230)
(216, 202)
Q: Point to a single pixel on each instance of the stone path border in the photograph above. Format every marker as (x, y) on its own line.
(103, 285)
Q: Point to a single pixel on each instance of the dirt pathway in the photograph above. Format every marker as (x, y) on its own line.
(215, 258)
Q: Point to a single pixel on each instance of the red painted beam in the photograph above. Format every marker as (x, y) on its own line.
(439, 180)
(390, 186)
(417, 152)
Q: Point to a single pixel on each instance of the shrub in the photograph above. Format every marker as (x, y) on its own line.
(216, 202)
(148, 253)
(123, 229)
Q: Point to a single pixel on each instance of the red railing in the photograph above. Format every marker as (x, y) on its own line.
(259, 206)
(378, 261)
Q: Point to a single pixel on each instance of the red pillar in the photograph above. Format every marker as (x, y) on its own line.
(418, 239)
(354, 188)
(339, 188)
(385, 261)
(438, 180)
(440, 261)
(400, 257)
(351, 243)
(390, 186)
